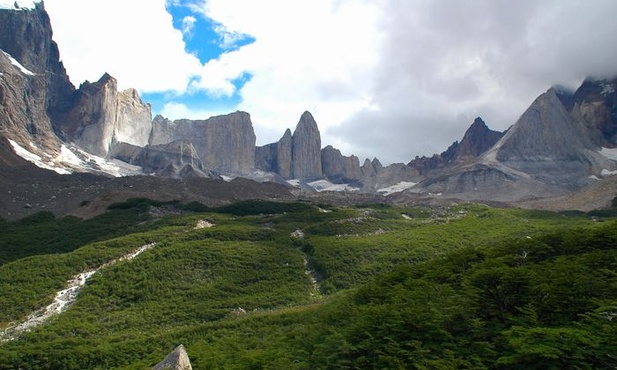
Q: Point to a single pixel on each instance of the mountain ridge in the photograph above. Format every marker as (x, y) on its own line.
(552, 150)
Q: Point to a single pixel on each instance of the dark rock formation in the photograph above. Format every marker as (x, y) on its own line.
(178, 359)
(33, 81)
(477, 139)
(595, 104)
(547, 152)
(100, 116)
(306, 149)
(339, 168)
(275, 157)
(296, 156)
(177, 159)
(225, 144)
(27, 36)
(23, 114)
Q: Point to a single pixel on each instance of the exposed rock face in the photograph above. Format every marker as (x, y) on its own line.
(477, 139)
(101, 116)
(339, 168)
(548, 144)
(27, 36)
(177, 159)
(23, 114)
(133, 119)
(595, 104)
(275, 157)
(176, 360)
(549, 151)
(33, 81)
(306, 149)
(225, 144)
(296, 156)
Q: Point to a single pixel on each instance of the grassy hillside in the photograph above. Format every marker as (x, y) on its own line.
(430, 288)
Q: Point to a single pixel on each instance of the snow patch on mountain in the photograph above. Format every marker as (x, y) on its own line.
(14, 62)
(607, 89)
(72, 159)
(606, 173)
(325, 185)
(18, 4)
(397, 188)
(610, 153)
(37, 160)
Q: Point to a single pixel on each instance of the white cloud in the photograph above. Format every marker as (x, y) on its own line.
(306, 55)
(134, 41)
(188, 25)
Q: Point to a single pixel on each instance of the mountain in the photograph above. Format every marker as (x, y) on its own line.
(225, 144)
(547, 152)
(563, 143)
(101, 116)
(33, 81)
(477, 139)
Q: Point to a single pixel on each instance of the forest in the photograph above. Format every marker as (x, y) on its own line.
(272, 285)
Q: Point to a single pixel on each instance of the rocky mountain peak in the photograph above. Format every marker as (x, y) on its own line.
(595, 104)
(26, 35)
(306, 149)
(100, 115)
(477, 139)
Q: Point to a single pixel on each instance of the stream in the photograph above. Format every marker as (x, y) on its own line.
(63, 299)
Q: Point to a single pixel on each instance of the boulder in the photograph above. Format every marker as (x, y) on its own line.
(178, 359)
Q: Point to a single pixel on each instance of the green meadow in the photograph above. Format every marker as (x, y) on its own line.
(268, 285)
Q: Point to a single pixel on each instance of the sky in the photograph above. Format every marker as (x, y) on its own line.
(390, 79)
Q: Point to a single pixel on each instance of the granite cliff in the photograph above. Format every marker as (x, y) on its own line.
(225, 144)
(100, 116)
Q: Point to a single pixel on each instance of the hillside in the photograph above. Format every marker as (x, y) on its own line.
(259, 284)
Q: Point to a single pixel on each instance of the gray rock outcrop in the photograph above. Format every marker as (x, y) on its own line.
(23, 114)
(477, 139)
(296, 156)
(225, 144)
(549, 145)
(306, 149)
(101, 115)
(339, 168)
(178, 359)
(26, 35)
(33, 81)
(594, 104)
(548, 152)
(276, 157)
(177, 159)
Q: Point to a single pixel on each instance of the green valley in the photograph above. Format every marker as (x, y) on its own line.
(271, 285)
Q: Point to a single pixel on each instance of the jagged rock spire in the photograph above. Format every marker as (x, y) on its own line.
(306, 149)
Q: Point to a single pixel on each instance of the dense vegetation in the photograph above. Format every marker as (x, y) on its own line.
(467, 286)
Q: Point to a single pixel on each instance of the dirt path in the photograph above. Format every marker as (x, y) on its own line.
(63, 299)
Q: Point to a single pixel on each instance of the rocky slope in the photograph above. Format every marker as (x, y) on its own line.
(547, 152)
(33, 81)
